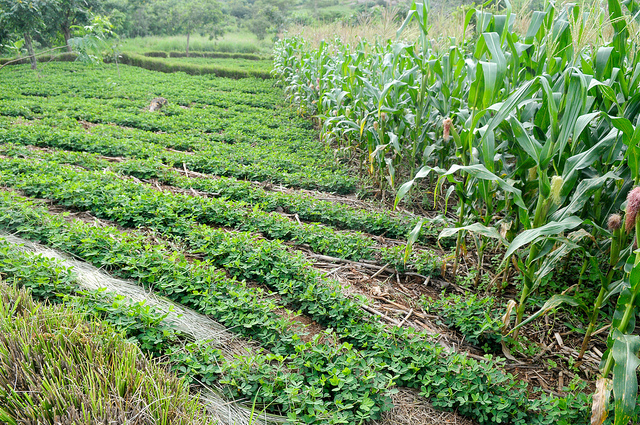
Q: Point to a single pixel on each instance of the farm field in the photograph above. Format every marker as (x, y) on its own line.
(225, 202)
(431, 230)
(254, 65)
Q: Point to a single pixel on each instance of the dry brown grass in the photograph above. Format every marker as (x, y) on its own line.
(446, 27)
(366, 28)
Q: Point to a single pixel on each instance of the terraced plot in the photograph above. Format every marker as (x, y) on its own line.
(225, 204)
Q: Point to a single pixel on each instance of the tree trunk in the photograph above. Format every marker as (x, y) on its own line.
(66, 32)
(188, 34)
(32, 55)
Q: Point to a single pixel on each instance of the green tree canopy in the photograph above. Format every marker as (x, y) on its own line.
(186, 17)
(25, 17)
(68, 13)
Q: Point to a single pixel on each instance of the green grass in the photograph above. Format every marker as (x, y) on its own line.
(245, 64)
(60, 367)
(241, 42)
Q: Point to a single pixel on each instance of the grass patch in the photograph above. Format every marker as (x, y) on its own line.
(262, 66)
(240, 42)
(56, 366)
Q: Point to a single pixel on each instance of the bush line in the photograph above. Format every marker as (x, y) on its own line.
(61, 57)
(212, 55)
(155, 64)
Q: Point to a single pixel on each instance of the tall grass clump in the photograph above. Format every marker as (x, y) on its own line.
(524, 125)
(58, 367)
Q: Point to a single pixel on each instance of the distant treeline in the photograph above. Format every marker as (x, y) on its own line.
(29, 25)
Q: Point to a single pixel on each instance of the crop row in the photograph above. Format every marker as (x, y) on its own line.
(302, 145)
(197, 107)
(198, 361)
(452, 381)
(101, 82)
(534, 133)
(230, 124)
(279, 164)
(115, 198)
(200, 286)
(307, 207)
(136, 205)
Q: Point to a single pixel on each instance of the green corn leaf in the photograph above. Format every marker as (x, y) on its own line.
(634, 279)
(586, 159)
(406, 187)
(479, 171)
(492, 41)
(411, 240)
(479, 228)
(576, 100)
(583, 193)
(602, 61)
(551, 260)
(583, 121)
(553, 302)
(506, 108)
(625, 380)
(530, 145)
(490, 76)
(537, 19)
(617, 19)
(549, 229)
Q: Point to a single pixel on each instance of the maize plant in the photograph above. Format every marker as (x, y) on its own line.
(537, 135)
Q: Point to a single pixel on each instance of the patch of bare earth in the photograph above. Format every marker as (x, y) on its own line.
(410, 408)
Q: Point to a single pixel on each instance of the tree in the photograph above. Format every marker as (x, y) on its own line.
(68, 13)
(194, 15)
(25, 17)
(269, 16)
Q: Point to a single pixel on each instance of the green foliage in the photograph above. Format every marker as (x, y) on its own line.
(274, 145)
(474, 317)
(93, 39)
(44, 277)
(451, 380)
(159, 65)
(532, 136)
(25, 18)
(135, 205)
(514, 134)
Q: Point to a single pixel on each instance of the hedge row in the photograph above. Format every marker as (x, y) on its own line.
(155, 64)
(63, 57)
(213, 55)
